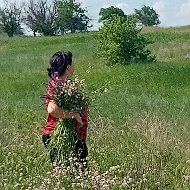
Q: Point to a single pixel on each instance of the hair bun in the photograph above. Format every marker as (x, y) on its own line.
(69, 57)
(69, 54)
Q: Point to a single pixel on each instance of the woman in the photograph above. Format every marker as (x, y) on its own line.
(61, 65)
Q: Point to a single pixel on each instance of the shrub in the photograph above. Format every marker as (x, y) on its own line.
(120, 41)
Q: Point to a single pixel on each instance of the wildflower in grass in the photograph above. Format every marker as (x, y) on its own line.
(66, 129)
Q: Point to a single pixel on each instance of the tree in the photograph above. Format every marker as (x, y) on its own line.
(147, 16)
(107, 14)
(10, 19)
(120, 41)
(72, 17)
(40, 17)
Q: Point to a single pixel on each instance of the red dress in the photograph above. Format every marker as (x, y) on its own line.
(52, 121)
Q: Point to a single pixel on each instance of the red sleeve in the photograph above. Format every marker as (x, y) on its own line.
(51, 121)
(83, 130)
(49, 92)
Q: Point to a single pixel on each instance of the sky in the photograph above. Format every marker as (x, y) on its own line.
(172, 12)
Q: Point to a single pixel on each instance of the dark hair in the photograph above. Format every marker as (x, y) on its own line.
(59, 62)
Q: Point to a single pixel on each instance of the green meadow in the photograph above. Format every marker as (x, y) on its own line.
(139, 113)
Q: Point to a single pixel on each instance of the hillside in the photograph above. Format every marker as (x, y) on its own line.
(139, 115)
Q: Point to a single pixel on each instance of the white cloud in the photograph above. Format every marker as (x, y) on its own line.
(183, 13)
(122, 5)
(159, 6)
(185, 9)
(163, 8)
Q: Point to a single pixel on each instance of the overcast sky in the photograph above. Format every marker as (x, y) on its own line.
(172, 12)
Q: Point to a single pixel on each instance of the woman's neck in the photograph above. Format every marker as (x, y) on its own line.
(64, 78)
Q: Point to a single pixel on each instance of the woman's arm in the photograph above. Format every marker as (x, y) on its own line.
(57, 112)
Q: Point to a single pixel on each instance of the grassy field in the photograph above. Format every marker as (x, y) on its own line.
(139, 116)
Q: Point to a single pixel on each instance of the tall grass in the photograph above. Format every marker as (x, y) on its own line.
(139, 115)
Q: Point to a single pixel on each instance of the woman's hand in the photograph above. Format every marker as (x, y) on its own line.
(79, 120)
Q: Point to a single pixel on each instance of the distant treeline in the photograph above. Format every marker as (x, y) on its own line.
(57, 17)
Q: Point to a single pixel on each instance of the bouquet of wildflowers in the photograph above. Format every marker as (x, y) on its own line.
(67, 95)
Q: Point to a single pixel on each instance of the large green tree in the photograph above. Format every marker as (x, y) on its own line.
(72, 17)
(147, 16)
(107, 14)
(10, 19)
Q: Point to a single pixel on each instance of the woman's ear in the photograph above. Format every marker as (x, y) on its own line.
(69, 70)
(68, 67)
